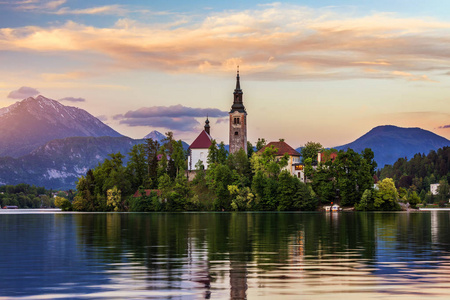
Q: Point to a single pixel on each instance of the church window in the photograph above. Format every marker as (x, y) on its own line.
(236, 121)
(236, 133)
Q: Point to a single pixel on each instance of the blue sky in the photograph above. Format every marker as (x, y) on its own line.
(323, 71)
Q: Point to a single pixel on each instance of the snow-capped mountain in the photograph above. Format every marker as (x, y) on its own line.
(155, 135)
(32, 122)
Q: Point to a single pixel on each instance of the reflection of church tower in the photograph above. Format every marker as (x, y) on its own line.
(238, 121)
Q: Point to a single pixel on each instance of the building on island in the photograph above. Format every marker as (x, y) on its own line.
(238, 121)
(198, 150)
(294, 166)
(434, 188)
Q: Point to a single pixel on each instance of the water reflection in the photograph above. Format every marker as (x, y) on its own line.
(226, 255)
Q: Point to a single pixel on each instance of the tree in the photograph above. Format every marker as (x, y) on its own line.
(242, 198)
(137, 168)
(310, 150)
(261, 143)
(63, 203)
(152, 162)
(443, 191)
(293, 194)
(267, 162)
(250, 149)
(367, 201)
(114, 199)
(386, 196)
(413, 199)
(212, 153)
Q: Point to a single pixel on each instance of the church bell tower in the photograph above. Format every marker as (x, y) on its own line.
(238, 121)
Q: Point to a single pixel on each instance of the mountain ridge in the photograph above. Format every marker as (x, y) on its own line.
(32, 122)
(389, 143)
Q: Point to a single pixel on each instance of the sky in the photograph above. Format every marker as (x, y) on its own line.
(322, 71)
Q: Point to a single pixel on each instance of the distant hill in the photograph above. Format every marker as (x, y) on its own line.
(155, 135)
(389, 143)
(32, 122)
(158, 136)
(59, 163)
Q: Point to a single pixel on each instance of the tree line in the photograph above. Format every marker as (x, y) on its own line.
(414, 176)
(26, 196)
(154, 179)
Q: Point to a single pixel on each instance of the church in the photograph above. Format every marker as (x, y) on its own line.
(198, 150)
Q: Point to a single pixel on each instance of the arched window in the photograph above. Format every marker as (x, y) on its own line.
(236, 133)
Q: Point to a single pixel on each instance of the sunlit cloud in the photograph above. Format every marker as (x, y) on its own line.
(99, 10)
(176, 117)
(272, 42)
(177, 124)
(23, 92)
(174, 111)
(72, 99)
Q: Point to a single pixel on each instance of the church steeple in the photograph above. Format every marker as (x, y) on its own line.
(238, 104)
(207, 127)
(238, 120)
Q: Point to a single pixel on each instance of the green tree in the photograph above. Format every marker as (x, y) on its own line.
(413, 199)
(310, 150)
(386, 196)
(212, 157)
(261, 143)
(242, 198)
(293, 194)
(152, 149)
(137, 167)
(63, 203)
(114, 199)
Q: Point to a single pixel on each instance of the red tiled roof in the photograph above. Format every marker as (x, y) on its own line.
(282, 149)
(147, 193)
(202, 141)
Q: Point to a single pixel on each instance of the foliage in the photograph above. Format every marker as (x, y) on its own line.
(63, 203)
(114, 199)
(26, 196)
(385, 198)
(420, 171)
(310, 150)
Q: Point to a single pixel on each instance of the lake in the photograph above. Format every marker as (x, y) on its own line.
(347, 255)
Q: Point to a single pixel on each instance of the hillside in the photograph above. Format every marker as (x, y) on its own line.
(32, 122)
(390, 143)
(59, 163)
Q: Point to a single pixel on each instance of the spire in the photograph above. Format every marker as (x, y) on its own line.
(207, 127)
(238, 84)
(238, 105)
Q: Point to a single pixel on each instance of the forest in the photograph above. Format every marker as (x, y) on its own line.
(154, 179)
(417, 174)
(26, 196)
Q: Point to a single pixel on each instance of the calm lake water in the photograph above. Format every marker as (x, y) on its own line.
(225, 255)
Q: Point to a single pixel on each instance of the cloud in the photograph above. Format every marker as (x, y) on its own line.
(270, 42)
(23, 92)
(99, 10)
(102, 118)
(179, 124)
(222, 120)
(176, 117)
(444, 127)
(72, 99)
(174, 112)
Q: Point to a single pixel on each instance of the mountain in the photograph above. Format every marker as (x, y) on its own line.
(59, 163)
(156, 136)
(32, 122)
(390, 143)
